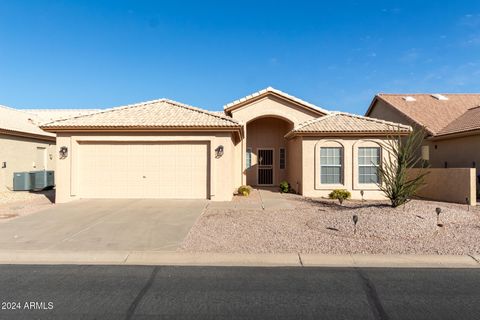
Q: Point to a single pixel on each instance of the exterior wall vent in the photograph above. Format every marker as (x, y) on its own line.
(440, 97)
(409, 99)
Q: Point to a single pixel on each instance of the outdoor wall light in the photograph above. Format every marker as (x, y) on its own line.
(219, 151)
(63, 152)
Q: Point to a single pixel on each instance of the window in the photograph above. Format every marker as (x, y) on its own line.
(282, 158)
(249, 157)
(368, 162)
(330, 165)
(425, 153)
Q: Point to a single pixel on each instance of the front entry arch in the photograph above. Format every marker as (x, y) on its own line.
(266, 151)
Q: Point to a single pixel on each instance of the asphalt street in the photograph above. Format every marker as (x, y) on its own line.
(167, 292)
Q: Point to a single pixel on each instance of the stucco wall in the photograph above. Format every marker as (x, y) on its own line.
(20, 154)
(272, 106)
(311, 186)
(382, 110)
(294, 163)
(221, 179)
(449, 185)
(463, 152)
(268, 106)
(267, 133)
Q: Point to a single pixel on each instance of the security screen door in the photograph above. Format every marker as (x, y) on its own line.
(265, 167)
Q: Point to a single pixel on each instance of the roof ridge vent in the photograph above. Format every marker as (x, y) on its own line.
(439, 96)
(409, 98)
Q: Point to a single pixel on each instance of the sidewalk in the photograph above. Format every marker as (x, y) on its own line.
(243, 260)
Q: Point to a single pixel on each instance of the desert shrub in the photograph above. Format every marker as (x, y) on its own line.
(244, 190)
(402, 155)
(284, 186)
(340, 195)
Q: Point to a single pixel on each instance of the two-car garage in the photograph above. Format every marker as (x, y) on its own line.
(177, 170)
(158, 149)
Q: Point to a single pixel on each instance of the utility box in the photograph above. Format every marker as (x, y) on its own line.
(22, 181)
(42, 179)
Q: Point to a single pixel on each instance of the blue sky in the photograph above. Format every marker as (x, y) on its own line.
(336, 54)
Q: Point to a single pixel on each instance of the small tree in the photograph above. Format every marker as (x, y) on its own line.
(402, 155)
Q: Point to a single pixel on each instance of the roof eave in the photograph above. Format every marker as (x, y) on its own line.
(236, 129)
(27, 135)
(370, 107)
(453, 135)
(292, 134)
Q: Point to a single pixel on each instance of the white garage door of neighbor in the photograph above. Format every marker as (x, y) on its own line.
(143, 170)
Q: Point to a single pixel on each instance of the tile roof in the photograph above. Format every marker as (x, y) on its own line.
(468, 121)
(49, 115)
(432, 113)
(162, 113)
(346, 123)
(16, 121)
(278, 92)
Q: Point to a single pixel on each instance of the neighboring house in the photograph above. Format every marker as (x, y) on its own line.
(166, 149)
(452, 123)
(23, 145)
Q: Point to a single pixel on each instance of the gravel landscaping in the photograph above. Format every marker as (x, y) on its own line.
(323, 226)
(15, 204)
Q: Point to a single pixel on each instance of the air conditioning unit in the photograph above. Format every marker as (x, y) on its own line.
(22, 181)
(42, 179)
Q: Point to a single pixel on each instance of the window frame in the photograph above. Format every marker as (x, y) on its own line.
(248, 158)
(370, 165)
(341, 165)
(284, 166)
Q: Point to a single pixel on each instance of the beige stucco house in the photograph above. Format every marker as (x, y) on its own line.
(166, 149)
(451, 121)
(23, 145)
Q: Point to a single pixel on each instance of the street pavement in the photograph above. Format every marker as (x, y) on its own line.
(176, 292)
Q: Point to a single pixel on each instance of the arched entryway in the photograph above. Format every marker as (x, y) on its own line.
(266, 159)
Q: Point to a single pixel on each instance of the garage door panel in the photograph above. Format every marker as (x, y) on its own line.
(143, 170)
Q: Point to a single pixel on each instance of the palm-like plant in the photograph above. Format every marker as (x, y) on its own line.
(402, 155)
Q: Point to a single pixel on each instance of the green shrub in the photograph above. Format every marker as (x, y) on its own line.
(244, 190)
(340, 195)
(284, 186)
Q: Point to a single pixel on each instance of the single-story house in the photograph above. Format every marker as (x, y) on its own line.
(166, 149)
(451, 122)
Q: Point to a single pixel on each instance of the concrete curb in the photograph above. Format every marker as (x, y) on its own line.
(62, 257)
(241, 260)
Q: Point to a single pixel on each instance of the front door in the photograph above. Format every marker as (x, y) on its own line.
(265, 167)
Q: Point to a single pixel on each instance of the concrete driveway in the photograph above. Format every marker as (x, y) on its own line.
(121, 224)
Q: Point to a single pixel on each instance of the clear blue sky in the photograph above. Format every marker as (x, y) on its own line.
(89, 54)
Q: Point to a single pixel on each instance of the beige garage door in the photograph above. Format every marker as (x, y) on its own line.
(143, 170)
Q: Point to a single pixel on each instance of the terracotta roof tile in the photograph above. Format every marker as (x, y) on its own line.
(430, 112)
(161, 113)
(468, 121)
(341, 123)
